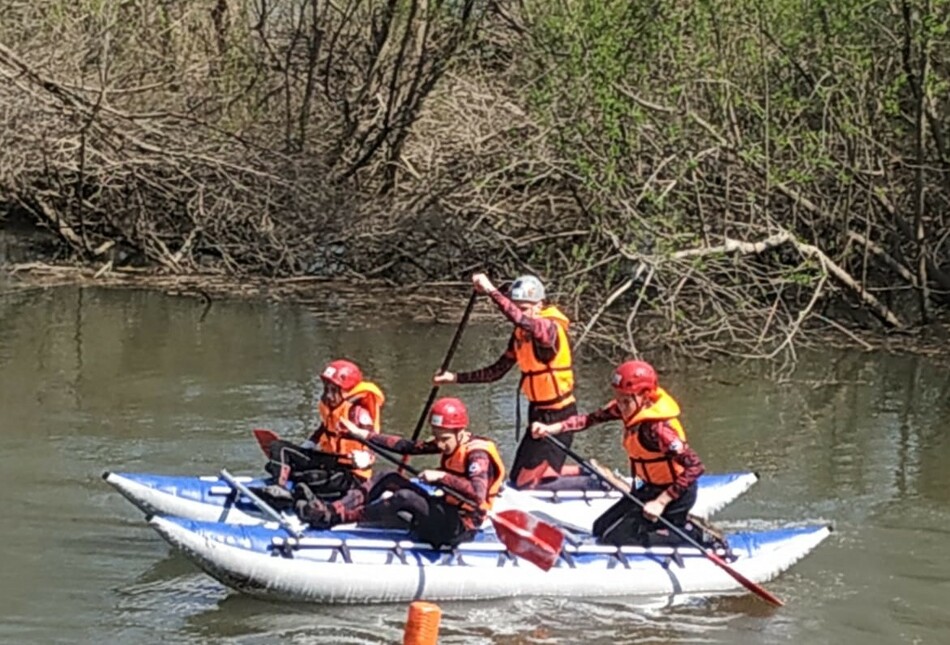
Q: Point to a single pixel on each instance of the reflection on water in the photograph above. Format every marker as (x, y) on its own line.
(95, 380)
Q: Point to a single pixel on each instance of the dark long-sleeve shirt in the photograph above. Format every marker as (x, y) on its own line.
(478, 467)
(658, 436)
(543, 331)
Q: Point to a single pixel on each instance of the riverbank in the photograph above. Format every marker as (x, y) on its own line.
(330, 299)
(681, 181)
(335, 300)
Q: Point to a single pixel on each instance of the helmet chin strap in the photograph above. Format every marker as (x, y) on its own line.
(636, 407)
(645, 400)
(333, 401)
(462, 435)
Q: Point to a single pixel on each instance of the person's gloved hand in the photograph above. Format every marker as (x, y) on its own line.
(300, 508)
(315, 512)
(303, 493)
(361, 458)
(308, 445)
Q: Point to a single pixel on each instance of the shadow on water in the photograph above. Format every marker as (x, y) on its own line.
(254, 620)
(173, 565)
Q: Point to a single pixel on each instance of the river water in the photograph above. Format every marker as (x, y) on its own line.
(130, 380)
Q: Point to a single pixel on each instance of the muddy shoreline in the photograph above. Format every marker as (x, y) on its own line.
(334, 299)
(30, 259)
(330, 299)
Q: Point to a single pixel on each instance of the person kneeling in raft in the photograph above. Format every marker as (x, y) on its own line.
(470, 466)
(655, 442)
(329, 463)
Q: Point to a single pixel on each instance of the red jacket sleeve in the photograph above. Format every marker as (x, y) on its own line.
(402, 445)
(666, 440)
(474, 485)
(491, 373)
(609, 412)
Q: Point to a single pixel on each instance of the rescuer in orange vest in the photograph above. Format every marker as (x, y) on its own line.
(469, 465)
(540, 347)
(330, 463)
(659, 457)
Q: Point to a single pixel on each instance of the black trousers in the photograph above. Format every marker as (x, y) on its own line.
(534, 456)
(320, 471)
(624, 523)
(430, 519)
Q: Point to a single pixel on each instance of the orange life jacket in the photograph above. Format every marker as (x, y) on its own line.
(334, 440)
(456, 464)
(546, 385)
(652, 467)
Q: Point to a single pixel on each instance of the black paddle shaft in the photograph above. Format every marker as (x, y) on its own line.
(523, 535)
(583, 463)
(413, 471)
(445, 363)
(754, 587)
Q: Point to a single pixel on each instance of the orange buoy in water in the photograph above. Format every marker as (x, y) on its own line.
(422, 626)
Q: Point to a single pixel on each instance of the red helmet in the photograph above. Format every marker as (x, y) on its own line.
(342, 373)
(634, 377)
(449, 413)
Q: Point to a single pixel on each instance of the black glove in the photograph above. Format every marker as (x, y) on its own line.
(301, 509)
(314, 512)
(302, 492)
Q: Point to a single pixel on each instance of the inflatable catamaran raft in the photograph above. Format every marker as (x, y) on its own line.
(379, 566)
(211, 498)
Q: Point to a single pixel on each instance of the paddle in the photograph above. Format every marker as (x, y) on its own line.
(261, 504)
(548, 511)
(621, 484)
(445, 366)
(265, 438)
(522, 534)
(755, 588)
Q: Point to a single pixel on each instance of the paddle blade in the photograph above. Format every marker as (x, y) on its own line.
(755, 588)
(528, 537)
(265, 438)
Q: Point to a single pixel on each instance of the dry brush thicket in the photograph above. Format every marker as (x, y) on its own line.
(712, 177)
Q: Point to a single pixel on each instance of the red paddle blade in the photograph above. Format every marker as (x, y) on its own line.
(528, 537)
(265, 438)
(757, 589)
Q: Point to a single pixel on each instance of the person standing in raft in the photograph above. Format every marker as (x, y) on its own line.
(330, 463)
(540, 347)
(470, 465)
(659, 457)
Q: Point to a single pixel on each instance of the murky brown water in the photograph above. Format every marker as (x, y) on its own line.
(94, 380)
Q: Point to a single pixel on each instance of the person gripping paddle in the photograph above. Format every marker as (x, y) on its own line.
(470, 466)
(329, 463)
(470, 475)
(659, 455)
(540, 347)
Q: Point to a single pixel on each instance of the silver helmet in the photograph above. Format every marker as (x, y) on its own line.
(527, 288)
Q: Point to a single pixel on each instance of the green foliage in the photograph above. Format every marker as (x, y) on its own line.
(583, 52)
(809, 81)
